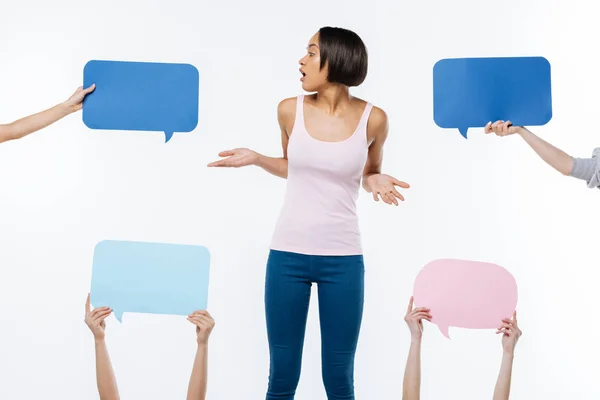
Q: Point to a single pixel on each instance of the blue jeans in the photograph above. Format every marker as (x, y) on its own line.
(340, 281)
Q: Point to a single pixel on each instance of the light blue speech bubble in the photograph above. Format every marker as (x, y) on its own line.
(470, 92)
(141, 96)
(153, 278)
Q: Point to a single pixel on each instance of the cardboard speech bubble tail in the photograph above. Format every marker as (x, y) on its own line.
(168, 136)
(445, 330)
(118, 315)
(463, 132)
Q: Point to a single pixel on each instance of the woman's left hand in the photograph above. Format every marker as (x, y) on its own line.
(384, 187)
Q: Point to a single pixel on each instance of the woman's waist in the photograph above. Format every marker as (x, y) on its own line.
(319, 224)
(318, 215)
(317, 237)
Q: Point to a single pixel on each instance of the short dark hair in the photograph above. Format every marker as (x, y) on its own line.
(345, 54)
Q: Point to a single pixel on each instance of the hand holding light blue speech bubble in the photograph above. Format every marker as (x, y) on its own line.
(470, 92)
(141, 96)
(153, 278)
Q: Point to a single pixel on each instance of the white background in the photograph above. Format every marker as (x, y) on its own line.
(489, 199)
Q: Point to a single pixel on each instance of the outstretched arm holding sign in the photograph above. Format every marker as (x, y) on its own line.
(587, 169)
(25, 126)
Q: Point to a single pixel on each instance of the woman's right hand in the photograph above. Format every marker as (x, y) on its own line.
(236, 158)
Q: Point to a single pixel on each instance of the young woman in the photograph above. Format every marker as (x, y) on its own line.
(411, 389)
(331, 140)
(33, 123)
(587, 169)
(105, 376)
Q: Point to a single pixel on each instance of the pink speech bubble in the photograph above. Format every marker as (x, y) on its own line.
(466, 294)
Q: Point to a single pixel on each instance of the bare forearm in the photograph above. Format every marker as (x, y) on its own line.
(502, 390)
(411, 389)
(198, 380)
(553, 156)
(33, 123)
(276, 166)
(105, 377)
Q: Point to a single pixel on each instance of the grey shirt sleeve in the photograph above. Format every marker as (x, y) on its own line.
(588, 169)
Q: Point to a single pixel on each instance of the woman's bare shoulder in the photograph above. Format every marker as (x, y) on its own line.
(287, 106)
(286, 112)
(377, 113)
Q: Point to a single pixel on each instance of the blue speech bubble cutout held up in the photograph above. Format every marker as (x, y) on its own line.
(141, 96)
(470, 92)
(154, 278)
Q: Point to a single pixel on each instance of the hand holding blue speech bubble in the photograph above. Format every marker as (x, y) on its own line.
(155, 278)
(141, 96)
(470, 92)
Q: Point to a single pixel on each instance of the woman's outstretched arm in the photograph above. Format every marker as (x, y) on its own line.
(105, 376)
(510, 335)
(198, 380)
(411, 388)
(586, 169)
(33, 123)
(278, 166)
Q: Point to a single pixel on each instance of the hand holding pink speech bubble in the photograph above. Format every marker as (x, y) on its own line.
(466, 294)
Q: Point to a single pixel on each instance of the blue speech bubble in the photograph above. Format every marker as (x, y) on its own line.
(141, 96)
(470, 92)
(153, 278)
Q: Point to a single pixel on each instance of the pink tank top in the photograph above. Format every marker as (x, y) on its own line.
(319, 211)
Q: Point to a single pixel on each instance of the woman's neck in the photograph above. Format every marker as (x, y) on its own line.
(333, 98)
